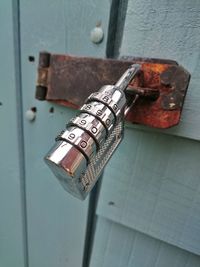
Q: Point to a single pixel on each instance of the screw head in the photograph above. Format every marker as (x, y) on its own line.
(30, 115)
(96, 35)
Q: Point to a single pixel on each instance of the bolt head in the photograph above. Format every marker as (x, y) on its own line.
(30, 115)
(96, 35)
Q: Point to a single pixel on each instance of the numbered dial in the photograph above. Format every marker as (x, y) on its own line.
(111, 97)
(81, 140)
(92, 125)
(101, 112)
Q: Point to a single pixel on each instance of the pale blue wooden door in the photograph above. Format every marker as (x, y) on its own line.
(56, 222)
(40, 224)
(148, 209)
(12, 193)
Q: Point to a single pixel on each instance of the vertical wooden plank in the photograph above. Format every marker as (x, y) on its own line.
(11, 219)
(56, 220)
(116, 245)
(168, 29)
(80, 18)
(156, 188)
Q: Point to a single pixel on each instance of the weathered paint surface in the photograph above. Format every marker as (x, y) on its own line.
(56, 220)
(156, 188)
(11, 218)
(119, 246)
(168, 29)
(158, 195)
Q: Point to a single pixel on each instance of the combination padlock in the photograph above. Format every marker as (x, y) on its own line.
(84, 148)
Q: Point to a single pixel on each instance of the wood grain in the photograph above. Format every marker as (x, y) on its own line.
(12, 218)
(119, 246)
(168, 29)
(156, 188)
(56, 220)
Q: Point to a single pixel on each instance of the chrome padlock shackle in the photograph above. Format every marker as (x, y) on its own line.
(84, 148)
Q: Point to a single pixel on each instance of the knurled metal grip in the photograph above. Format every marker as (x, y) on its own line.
(84, 148)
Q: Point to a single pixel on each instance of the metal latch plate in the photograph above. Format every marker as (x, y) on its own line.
(69, 80)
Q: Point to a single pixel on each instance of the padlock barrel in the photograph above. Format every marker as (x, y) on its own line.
(128, 76)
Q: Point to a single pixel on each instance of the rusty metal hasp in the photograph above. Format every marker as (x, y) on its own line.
(146, 92)
(161, 84)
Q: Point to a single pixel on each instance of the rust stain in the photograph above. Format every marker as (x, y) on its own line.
(162, 84)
